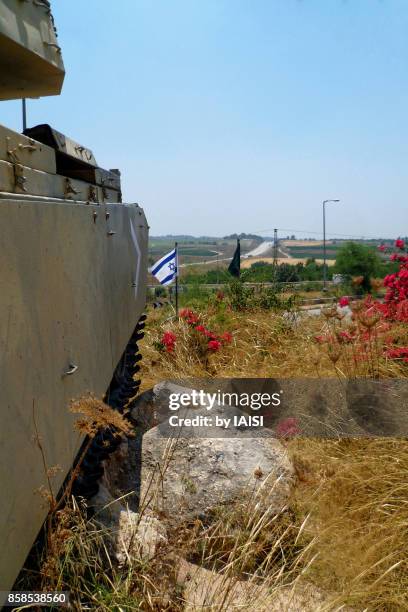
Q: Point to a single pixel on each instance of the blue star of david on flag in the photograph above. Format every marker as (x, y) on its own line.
(165, 270)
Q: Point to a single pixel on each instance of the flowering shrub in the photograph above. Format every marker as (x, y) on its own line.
(226, 337)
(214, 345)
(360, 348)
(353, 350)
(396, 297)
(398, 353)
(167, 342)
(211, 341)
(369, 336)
(205, 341)
(189, 316)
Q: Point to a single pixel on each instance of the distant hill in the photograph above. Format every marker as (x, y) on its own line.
(184, 238)
(244, 236)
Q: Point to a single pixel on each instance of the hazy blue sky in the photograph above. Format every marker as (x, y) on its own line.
(241, 115)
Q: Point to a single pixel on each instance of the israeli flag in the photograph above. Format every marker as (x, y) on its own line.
(165, 270)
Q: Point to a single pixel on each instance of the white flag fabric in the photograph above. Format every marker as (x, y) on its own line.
(165, 270)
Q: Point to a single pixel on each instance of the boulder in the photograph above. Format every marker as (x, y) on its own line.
(207, 590)
(128, 534)
(186, 477)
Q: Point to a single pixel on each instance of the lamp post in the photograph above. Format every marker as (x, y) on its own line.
(324, 242)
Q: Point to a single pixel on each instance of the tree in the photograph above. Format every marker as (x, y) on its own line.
(355, 259)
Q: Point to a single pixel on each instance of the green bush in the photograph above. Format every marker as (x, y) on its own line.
(239, 295)
(356, 259)
(242, 297)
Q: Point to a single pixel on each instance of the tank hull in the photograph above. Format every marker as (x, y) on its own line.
(73, 283)
(30, 58)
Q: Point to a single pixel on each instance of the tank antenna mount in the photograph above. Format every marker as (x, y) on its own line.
(24, 114)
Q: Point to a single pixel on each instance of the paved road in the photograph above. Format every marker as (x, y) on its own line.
(259, 250)
(262, 248)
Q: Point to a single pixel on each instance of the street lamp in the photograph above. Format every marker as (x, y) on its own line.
(324, 242)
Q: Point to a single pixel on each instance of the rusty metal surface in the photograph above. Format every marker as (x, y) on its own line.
(16, 178)
(15, 147)
(68, 298)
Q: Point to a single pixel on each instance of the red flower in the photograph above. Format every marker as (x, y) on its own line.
(209, 334)
(382, 248)
(400, 352)
(201, 329)
(345, 336)
(214, 345)
(402, 311)
(344, 301)
(185, 313)
(389, 280)
(169, 340)
(169, 337)
(192, 319)
(226, 337)
(320, 339)
(287, 428)
(399, 243)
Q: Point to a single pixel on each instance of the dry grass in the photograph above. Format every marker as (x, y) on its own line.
(345, 528)
(355, 495)
(84, 564)
(97, 415)
(264, 345)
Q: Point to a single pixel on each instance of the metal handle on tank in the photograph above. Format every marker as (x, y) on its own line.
(72, 369)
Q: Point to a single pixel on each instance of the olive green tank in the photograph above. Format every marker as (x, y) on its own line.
(73, 270)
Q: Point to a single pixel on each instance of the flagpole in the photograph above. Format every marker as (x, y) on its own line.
(177, 273)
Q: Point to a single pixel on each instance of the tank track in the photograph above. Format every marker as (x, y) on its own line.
(122, 389)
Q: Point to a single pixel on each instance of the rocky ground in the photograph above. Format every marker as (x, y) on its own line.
(155, 486)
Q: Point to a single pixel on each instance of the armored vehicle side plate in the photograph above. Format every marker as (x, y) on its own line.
(30, 57)
(73, 289)
(15, 178)
(17, 148)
